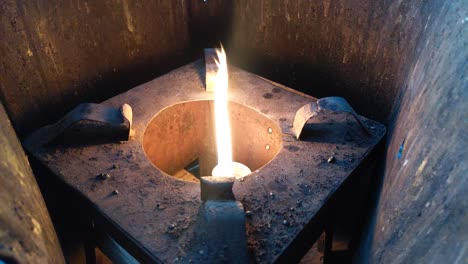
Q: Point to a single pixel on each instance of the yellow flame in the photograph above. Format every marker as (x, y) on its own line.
(222, 125)
(226, 167)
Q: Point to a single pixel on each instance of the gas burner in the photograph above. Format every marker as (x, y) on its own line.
(300, 152)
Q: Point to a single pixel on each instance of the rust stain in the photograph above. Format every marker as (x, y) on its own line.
(418, 179)
(37, 229)
(128, 16)
(46, 43)
(87, 7)
(326, 7)
(29, 52)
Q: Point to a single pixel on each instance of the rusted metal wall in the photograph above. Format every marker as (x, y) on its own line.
(422, 214)
(402, 62)
(56, 54)
(359, 49)
(26, 231)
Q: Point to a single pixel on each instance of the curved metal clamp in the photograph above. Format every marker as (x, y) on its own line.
(87, 122)
(335, 104)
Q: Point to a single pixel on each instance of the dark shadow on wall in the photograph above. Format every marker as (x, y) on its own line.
(358, 49)
(364, 237)
(104, 86)
(320, 79)
(208, 24)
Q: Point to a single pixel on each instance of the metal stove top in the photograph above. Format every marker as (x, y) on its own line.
(154, 215)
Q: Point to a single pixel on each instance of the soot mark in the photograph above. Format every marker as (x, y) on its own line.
(276, 90)
(267, 95)
(292, 148)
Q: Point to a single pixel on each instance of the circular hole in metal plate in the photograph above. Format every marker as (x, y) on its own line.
(180, 140)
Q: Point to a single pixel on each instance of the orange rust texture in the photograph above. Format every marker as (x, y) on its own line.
(57, 54)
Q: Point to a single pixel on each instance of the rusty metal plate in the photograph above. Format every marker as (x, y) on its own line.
(158, 213)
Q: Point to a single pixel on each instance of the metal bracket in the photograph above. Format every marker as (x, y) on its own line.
(334, 104)
(217, 188)
(210, 69)
(87, 122)
(225, 221)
